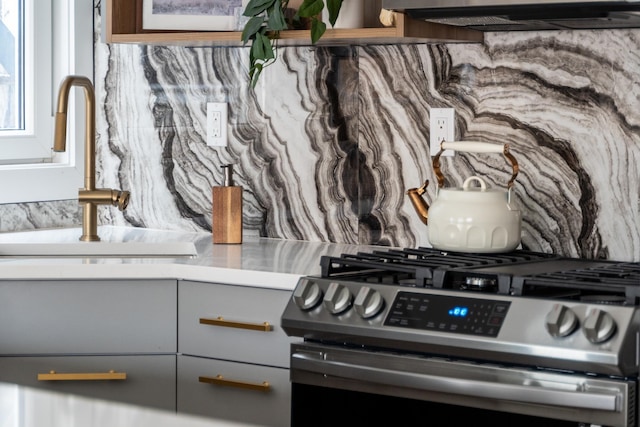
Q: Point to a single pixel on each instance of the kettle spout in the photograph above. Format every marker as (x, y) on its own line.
(418, 202)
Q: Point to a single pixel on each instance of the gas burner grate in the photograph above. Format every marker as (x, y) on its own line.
(413, 267)
(608, 281)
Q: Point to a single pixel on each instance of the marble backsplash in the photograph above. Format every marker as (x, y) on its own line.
(328, 143)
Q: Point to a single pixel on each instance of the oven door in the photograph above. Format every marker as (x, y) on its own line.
(328, 380)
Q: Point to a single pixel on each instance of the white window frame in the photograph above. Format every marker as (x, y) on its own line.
(66, 49)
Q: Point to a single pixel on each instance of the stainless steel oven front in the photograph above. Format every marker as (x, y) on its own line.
(335, 385)
(523, 354)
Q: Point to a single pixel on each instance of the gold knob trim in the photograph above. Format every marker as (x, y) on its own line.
(91, 376)
(220, 321)
(222, 381)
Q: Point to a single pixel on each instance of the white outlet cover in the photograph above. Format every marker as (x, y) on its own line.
(441, 126)
(217, 114)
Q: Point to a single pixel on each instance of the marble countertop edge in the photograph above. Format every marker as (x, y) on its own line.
(65, 271)
(259, 262)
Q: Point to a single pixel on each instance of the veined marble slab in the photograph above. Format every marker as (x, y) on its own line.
(330, 140)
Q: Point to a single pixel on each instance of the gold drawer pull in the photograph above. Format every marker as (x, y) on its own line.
(92, 376)
(219, 321)
(220, 380)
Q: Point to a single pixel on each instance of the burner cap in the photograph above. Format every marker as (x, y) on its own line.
(479, 284)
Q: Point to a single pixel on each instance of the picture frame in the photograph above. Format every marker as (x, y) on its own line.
(193, 15)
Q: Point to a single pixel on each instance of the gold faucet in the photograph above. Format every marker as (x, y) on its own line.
(89, 196)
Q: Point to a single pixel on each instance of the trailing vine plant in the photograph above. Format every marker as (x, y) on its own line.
(268, 18)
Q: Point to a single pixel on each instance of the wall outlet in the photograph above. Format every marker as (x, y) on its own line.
(442, 121)
(217, 114)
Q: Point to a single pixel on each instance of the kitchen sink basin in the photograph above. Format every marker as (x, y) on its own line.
(99, 250)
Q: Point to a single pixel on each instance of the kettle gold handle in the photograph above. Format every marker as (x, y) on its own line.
(475, 147)
(421, 207)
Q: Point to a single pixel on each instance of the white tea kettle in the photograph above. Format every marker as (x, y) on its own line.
(472, 218)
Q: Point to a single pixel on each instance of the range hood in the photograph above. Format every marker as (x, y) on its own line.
(523, 15)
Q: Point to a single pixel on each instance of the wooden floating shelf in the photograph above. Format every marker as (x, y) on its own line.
(122, 20)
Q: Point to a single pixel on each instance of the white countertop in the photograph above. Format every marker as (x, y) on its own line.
(28, 407)
(263, 262)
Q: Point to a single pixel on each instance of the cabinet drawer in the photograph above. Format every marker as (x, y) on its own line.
(88, 316)
(234, 311)
(241, 394)
(149, 381)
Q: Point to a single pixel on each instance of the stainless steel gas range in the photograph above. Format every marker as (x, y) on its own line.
(521, 338)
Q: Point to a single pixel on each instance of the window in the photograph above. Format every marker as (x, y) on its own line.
(41, 42)
(11, 86)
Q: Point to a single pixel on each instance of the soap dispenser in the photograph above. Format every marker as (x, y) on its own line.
(227, 210)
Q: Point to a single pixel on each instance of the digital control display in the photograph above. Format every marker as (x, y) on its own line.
(473, 316)
(459, 311)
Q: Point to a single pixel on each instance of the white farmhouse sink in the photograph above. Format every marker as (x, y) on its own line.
(99, 249)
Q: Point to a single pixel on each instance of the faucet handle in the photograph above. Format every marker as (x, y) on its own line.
(122, 199)
(105, 196)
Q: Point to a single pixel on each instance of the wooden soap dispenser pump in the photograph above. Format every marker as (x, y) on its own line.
(227, 210)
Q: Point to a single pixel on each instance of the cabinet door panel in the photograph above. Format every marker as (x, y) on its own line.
(257, 404)
(150, 380)
(88, 316)
(242, 309)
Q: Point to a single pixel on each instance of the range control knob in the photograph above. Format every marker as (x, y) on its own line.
(598, 326)
(561, 321)
(368, 302)
(307, 294)
(337, 298)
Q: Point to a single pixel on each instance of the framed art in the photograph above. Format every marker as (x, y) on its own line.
(193, 15)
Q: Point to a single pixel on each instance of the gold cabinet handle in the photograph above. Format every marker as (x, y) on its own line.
(220, 380)
(91, 376)
(220, 321)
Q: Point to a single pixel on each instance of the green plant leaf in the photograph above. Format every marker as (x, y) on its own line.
(254, 74)
(333, 6)
(251, 28)
(317, 29)
(257, 50)
(265, 46)
(261, 48)
(256, 7)
(276, 21)
(310, 8)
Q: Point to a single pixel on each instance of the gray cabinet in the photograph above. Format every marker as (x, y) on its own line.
(233, 355)
(69, 335)
(209, 349)
(147, 380)
(234, 391)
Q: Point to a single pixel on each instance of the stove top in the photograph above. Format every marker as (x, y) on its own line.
(513, 273)
(519, 307)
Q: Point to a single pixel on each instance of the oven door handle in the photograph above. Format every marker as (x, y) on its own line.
(571, 395)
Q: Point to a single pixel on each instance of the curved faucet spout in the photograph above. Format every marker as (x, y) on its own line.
(89, 196)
